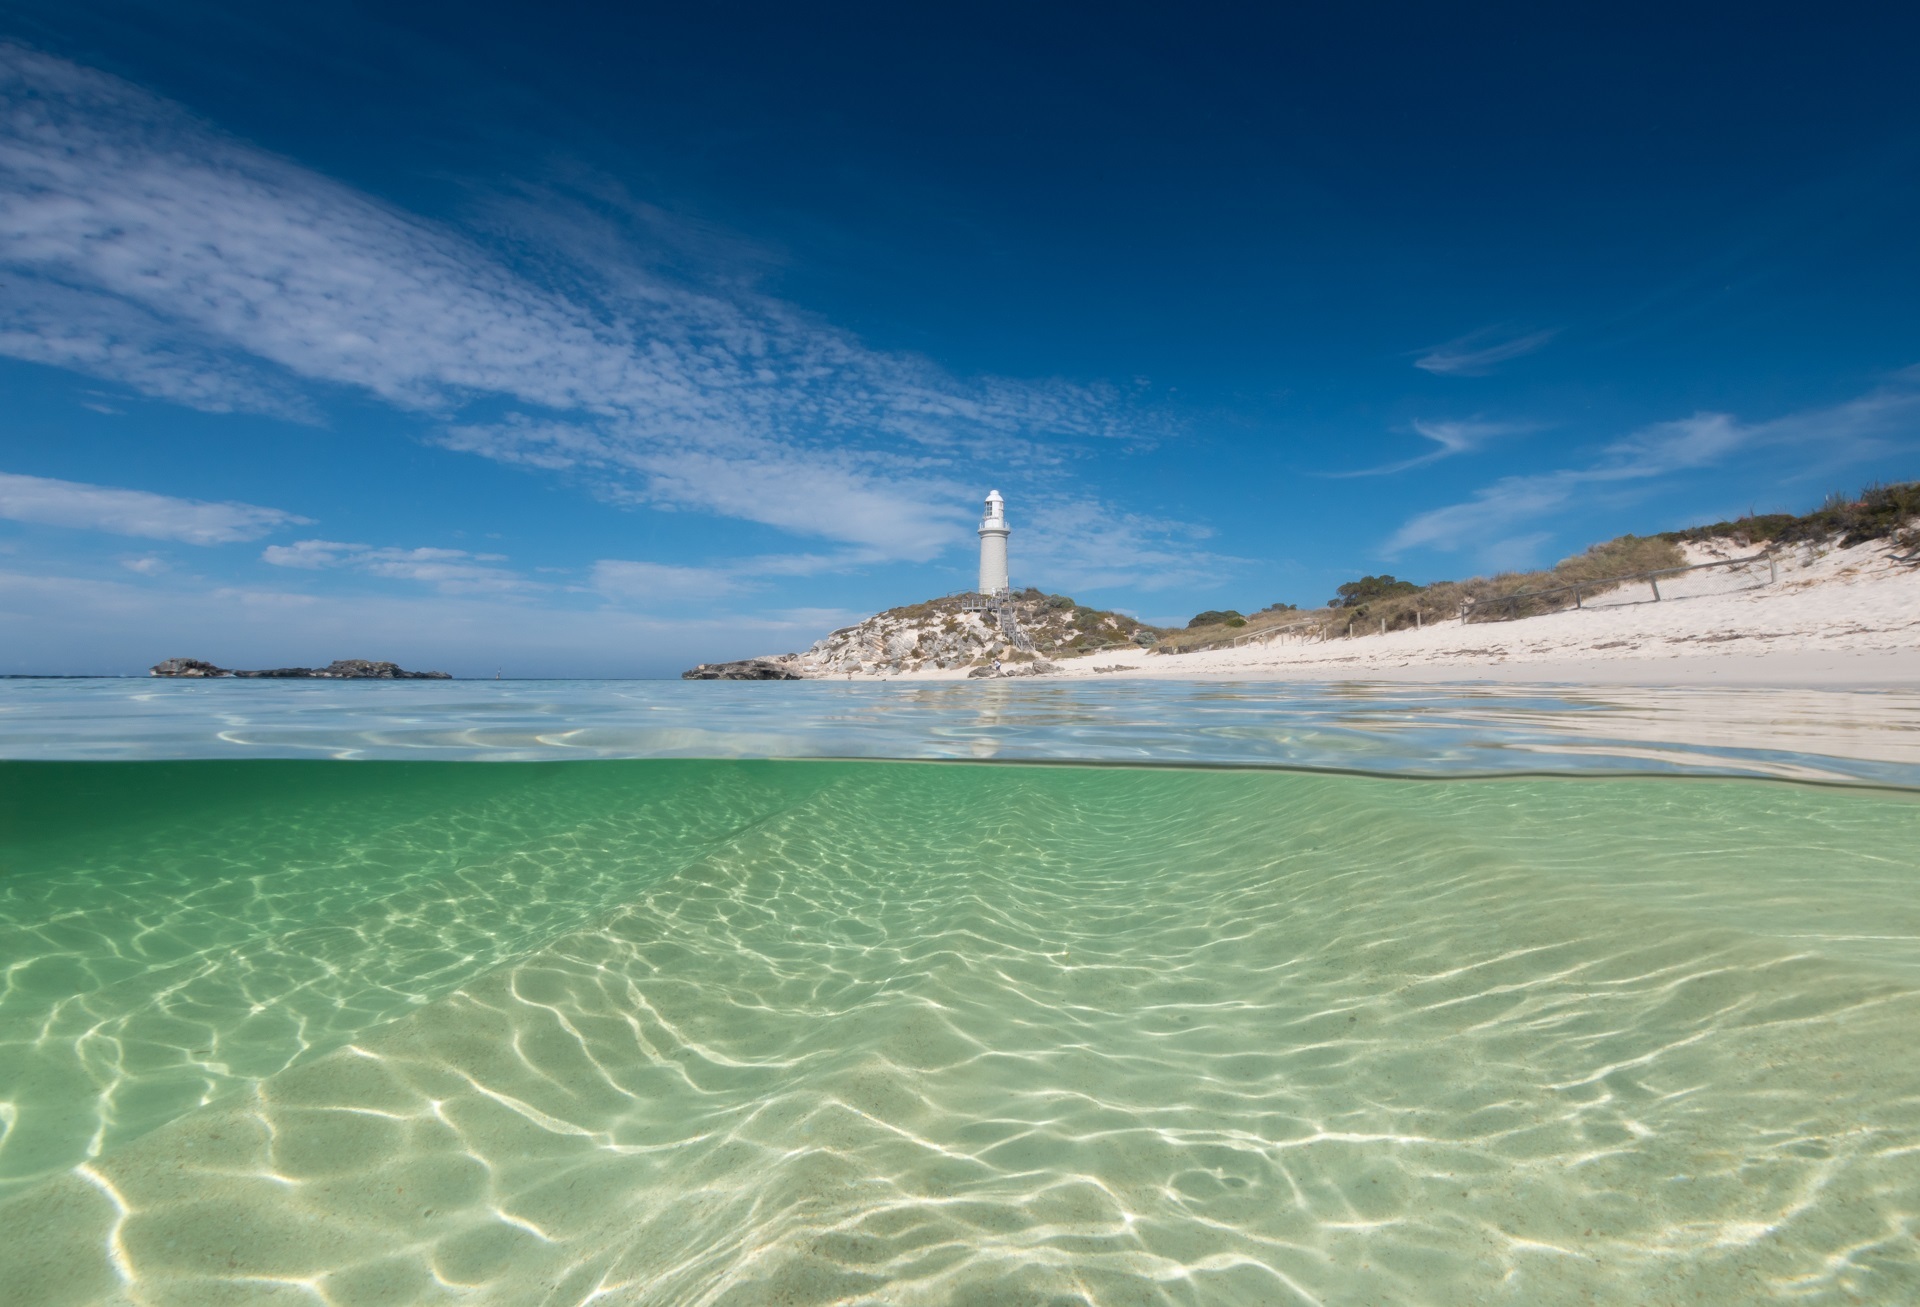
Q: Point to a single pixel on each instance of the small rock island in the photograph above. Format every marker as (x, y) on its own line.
(340, 669)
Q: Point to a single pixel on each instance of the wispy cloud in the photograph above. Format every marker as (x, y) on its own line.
(653, 582)
(48, 502)
(649, 583)
(1085, 544)
(452, 571)
(1451, 438)
(146, 247)
(1636, 465)
(1480, 352)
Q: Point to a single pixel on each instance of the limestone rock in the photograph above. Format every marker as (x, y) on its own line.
(341, 669)
(1038, 667)
(950, 633)
(746, 669)
(349, 669)
(186, 667)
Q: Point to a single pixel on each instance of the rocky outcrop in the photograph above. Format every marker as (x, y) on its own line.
(780, 668)
(186, 667)
(340, 669)
(1038, 667)
(948, 634)
(937, 635)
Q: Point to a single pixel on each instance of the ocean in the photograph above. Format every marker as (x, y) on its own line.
(528, 992)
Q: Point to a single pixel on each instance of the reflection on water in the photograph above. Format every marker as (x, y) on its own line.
(862, 1032)
(1870, 735)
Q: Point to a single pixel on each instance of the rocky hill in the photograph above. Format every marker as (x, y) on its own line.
(948, 634)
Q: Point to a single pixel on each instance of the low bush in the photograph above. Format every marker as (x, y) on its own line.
(1367, 588)
(1216, 617)
(1878, 512)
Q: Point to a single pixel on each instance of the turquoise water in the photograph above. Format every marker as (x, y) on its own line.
(741, 1031)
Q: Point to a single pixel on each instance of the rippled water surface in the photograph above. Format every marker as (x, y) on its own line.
(755, 1032)
(1443, 730)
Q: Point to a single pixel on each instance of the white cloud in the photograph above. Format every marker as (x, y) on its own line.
(48, 502)
(146, 564)
(453, 571)
(146, 247)
(1479, 353)
(652, 582)
(1085, 544)
(1451, 437)
(43, 321)
(644, 581)
(1636, 464)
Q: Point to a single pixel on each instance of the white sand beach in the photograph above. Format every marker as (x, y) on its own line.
(1823, 616)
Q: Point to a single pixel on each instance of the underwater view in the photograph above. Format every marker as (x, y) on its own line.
(1406, 996)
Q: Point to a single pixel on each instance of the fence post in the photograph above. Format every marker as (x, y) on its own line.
(1416, 619)
(1654, 581)
(1773, 572)
(1576, 597)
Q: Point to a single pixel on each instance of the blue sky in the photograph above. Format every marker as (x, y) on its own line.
(573, 340)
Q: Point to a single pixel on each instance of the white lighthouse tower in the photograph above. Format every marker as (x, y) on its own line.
(993, 545)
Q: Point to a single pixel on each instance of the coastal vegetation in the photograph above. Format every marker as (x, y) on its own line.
(1354, 594)
(1372, 604)
(1878, 512)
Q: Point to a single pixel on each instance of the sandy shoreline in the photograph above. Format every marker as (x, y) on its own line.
(1826, 616)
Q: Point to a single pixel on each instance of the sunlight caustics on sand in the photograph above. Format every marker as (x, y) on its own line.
(808, 1032)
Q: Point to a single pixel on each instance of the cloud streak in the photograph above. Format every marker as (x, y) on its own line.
(1451, 438)
(451, 571)
(1479, 353)
(146, 247)
(1637, 464)
(1083, 543)
(48, 502)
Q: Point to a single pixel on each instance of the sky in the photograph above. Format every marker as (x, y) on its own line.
(575, 340)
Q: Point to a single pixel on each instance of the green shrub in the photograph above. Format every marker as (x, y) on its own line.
(1878, 512)
(1216, 617)
(1355, 593)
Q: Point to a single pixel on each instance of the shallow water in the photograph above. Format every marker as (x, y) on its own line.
(1444, 730)
(801, 1032)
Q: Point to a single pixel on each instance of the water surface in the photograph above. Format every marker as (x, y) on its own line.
(1445, 730)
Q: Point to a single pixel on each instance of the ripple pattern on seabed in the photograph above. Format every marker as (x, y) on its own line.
(157, 967)
(1003, 1035)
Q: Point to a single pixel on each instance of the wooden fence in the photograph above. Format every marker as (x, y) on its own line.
(1504, 608)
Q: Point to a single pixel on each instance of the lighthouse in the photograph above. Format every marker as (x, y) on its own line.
(993, 545)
